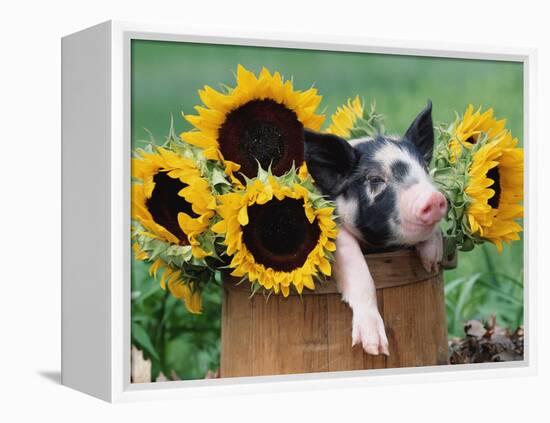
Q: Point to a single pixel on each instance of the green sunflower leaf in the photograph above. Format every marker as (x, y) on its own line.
(141, 338)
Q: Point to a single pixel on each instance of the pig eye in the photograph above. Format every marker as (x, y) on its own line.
(375, 180)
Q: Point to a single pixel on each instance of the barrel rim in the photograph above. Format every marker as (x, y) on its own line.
(397, 262)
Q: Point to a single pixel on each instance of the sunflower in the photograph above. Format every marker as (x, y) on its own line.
(495, 190)
(173, 279)
(171, 199)
(278, 232)
(354, 120)
(471, 126)
(180, 288)
(479, 168)
(179, 271)
(260, 120)
(139, 253)
(345, 117)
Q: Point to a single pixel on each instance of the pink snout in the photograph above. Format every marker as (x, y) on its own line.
(433, 209)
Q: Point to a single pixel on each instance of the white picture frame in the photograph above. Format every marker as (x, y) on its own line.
(96, 160)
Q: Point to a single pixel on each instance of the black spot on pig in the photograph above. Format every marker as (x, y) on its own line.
(374, 215)
(399, 170)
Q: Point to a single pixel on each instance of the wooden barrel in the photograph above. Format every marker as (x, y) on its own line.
(312, 332)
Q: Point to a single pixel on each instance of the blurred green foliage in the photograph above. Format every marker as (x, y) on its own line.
(179, 344)
(165, 80)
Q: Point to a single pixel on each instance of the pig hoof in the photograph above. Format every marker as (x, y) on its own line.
(431, 252)
(368, 331)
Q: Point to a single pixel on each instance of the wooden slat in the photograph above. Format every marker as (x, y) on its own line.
(237, 335)
(341, 355)
(290, 335)
(265, 343)
(416, 324)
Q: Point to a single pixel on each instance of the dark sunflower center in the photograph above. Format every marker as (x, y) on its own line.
(494, 174)
(264, 142)
(471, 140)
(279, 235)
(262, 131)
(165, 204)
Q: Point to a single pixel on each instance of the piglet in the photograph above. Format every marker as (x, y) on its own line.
(385, 199)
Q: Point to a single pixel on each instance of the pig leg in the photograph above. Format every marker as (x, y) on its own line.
(431, 251)
(356, 285)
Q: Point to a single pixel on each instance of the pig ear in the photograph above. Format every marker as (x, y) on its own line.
(330, 160)
(421, 133)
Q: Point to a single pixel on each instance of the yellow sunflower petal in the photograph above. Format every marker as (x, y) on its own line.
(217, 106)
(233, 209)
(344, 118)
(495, 181)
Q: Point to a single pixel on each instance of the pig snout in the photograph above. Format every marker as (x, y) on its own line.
(432, 209)
(421, 208)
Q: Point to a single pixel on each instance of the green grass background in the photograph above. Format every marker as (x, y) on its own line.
(165, 80)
